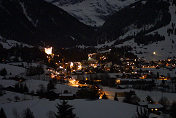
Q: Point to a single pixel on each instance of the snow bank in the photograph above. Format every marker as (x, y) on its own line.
(83, 108)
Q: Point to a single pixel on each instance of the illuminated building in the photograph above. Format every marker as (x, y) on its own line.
(49, 50)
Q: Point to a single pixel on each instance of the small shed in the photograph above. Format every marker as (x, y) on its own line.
(155, 108)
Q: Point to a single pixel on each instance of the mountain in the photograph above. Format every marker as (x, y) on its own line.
(36, 21)
(91, 12)
(145, 15)
(148, 27)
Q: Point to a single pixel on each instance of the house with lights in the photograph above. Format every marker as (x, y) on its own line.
(155, 108)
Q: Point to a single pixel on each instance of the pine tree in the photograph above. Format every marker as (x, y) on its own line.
(64, 110)
(2, 113)
(16, 98)
(26, 88)
(28, 113)
(50, 85)
(115, 97)
(173, 110)
(157, 75)
(142, 113)
(3, 72)
(149, 99)
(17, 87)
(104, 96)
(21, 86)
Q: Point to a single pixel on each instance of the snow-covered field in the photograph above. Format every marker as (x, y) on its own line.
(12, 70)
(155, 95)
(83, 108)
(7, 83)
(34, 85)
(9, 97)
(161, 71)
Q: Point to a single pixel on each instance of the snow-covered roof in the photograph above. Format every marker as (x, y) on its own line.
(152, 115)
(155, 106)
(67, 95)
(143, 103)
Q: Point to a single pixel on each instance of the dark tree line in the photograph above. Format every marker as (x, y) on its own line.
(31, 71)
(2, 113)
(147, 39)
(20, 87)
(117, 53)
(25, 53)
(3, 72)
(64, 110)
(137, 17)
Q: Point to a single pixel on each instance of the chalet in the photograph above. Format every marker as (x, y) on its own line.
(155, 108)
(143, 103)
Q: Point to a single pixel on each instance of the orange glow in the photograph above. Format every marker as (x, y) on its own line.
(71, 65)
(164, 78)
(148, 67)
(52, 76)
(169, 60)
(101, 96)
(118, 81)
(74, 82)
(79, 67)
(143, 77)
(49, 50)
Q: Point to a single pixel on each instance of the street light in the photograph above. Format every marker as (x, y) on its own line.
(154, 53)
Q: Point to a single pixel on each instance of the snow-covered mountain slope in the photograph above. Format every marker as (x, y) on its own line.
(155, 50)
(7, 44)
(91, 12)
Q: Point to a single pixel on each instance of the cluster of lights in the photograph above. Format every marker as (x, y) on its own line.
(71, 65)
(74, 82)
(155, 109)
(103, 58)
(149, 66)
(79, 67)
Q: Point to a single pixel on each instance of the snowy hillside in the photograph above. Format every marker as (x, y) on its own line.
(7, 44)
(104, 108)
(92, 12)
(163, 49)
(154, 50)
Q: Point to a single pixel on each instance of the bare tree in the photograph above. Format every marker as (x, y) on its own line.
(15, 113)
(142, 113)
(28, 114)
(51, 114)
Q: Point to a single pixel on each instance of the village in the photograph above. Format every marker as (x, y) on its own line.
(147, 87)
(88, 59)
(131, 74)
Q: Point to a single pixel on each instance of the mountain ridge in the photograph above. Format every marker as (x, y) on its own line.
(33, 21)
(91, 12)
